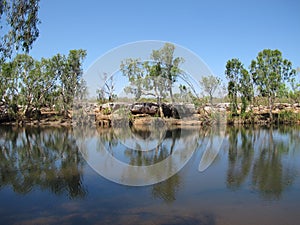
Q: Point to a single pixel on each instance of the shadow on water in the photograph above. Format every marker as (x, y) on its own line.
(43, 158)
(259, 155)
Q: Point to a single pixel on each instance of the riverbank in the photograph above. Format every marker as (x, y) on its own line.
(138, 114)
(188, 115)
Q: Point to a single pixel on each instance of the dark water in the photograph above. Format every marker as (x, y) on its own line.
(253, 179)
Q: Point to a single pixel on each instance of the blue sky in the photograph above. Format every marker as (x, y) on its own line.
(215, 30)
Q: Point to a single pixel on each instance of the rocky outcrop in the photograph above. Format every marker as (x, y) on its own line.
(144, 108)
(170, 111)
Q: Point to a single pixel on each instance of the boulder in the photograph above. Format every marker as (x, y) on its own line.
(144, 108)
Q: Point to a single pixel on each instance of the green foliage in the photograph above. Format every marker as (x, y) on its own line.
(270, 72)
(27, 85)
(288, 117)
(270, 75)
(20, 18)
(239, 83)
(209, 85)
(155, 78)
(70, 76)
(106, 111)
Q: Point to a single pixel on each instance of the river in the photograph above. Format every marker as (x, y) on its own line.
(209, 176)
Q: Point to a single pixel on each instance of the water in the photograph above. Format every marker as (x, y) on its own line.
(253, 179)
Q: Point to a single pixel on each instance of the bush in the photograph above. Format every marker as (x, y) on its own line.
(288, 116)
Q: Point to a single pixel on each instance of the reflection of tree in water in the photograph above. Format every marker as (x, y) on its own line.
(269, 175)
(40, 157)
(172, 140)
(240, 156)
(167, 189)
(138, 157)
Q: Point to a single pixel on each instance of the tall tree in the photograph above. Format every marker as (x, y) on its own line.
(155, 78)
(145, 80)
(169, 66)
(9, 89)
(240, 83)
(233, 70)
(20, 18)
(70, 76)
(245, 89)
(270, 72)
(29, 82)
(209, 85)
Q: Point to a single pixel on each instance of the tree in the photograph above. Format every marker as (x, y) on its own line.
(232, 72)
(239, 83)
(70, 76)
(294, 94)
(145, 80)
(9, 90)
(21, 20)
(24, 69)
(210, 84)
(270, 72)
(108, 89)
(245, 89)
(154, 78)
(169, 66)
(27, 84)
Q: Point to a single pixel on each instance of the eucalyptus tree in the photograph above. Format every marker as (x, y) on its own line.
(145, 80)
(239, 83)
(169, 65)
(107, 91)
(294, 94)
(26, 76)
(20, 19)
(209, 85)
(270, 72)
(246, 89)
(70, 70)
(134, 71)
(8, 90)
(29, 83)
(154, 77)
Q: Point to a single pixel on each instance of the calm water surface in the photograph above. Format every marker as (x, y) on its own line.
(254, 179)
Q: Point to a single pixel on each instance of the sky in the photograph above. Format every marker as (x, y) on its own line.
(214, 30)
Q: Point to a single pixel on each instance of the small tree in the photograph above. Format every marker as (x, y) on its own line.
(108, 89)
(270, 72)
(209, 85)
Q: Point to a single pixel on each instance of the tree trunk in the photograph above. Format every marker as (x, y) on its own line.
(271, 102)
(211, 99)
(161, 113)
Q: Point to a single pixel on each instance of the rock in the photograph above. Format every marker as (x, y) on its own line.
(296, 105)
(144, 108)
(207, 108)
(225, 105)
